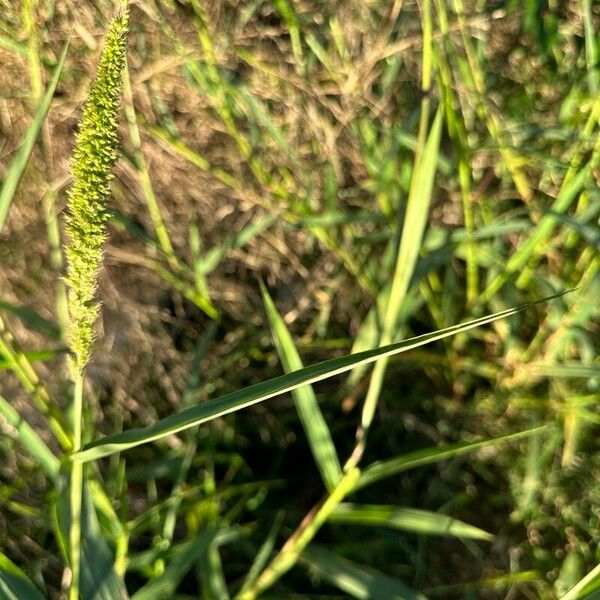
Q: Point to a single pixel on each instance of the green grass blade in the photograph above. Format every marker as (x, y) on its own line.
(19, 162)
(166, 584)
(32, 319)
(356, 580)
(14, 584)
(543, 230)
(587, 589)
(407, 519)
(213, 257)
(489, 583)
(263, 554)
(31, 440)
(187, 554)
(99, 580)
(387, 468)
(253, 394)
(32, 357)
(415, 220)
(315, 427)
(210, 569)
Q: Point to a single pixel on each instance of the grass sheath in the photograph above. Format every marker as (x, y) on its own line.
(93, 157)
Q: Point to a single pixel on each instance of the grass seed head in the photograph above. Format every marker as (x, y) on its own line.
(92, 161)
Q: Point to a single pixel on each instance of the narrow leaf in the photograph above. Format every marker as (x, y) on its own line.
(31, 440)
(407, 519)
(387, 468)
(253, 394)
(356, 580)
(413, 228)
(587, 589)
(315, 427)
(14, 584)
(19, 162)
(166, 584)
(99, 580)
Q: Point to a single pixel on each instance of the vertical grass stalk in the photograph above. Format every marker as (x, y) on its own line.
(76, 491)
(93, 158)
(413, 228)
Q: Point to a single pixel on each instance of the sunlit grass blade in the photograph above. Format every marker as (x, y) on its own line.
(587, 589)
(253, 394)
(591, 47)
(415, 520)
(539, 235)
(388, 468)
(14, 584)
(415, 220)
(288, 14)
(21, 366)
(144, 179)
(19, 162)
(315, 427)
(99, 580)
(30, 440)
(33, 357)
(356, 580)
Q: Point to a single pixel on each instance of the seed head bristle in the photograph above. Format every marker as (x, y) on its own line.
(93, 157)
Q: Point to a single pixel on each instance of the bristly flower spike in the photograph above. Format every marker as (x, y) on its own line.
(93, 157)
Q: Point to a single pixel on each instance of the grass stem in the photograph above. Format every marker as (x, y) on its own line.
(76, 491)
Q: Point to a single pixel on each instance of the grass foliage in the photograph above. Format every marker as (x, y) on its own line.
(348, 256)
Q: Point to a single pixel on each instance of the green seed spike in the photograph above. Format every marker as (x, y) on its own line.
(93, 158)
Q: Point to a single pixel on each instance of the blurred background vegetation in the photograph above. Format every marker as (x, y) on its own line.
(276, 140)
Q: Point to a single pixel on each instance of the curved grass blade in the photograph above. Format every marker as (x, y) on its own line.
(99, 580)
(14, 584)
(413, 228)
(387, 468)
(19, 163)
(263, 554)
(166, 584)
(32, 357)
(188, 553)
(415, 520)
(356, 580)
(32, 319)
(31, 440)
(259, 392)
(587, 589)
(315, 427)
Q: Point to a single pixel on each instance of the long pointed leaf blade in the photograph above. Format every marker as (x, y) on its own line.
(32, 442)
(587, 589)
(14, 584)
(387, 468)
(99, 580)
(315, 427)
(415, 520)
(358, 581)
(166, 584)
(259, 392)
(19, 162)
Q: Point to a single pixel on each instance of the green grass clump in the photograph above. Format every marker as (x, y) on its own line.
(339, 354)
